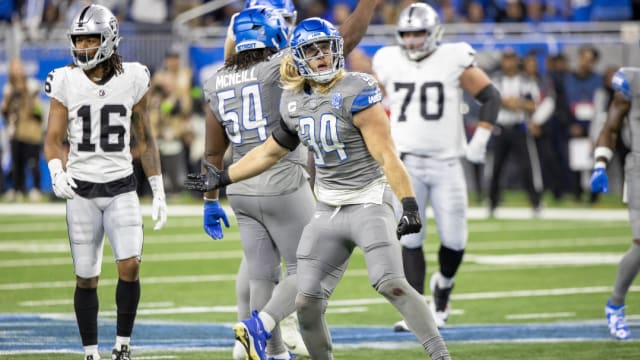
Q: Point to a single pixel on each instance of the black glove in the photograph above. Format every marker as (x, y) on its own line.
(212, 179)
(410, 221)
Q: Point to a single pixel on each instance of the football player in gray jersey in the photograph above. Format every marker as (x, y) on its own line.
(338, 117)
(271, 208)
(98, 103)
(626, 104)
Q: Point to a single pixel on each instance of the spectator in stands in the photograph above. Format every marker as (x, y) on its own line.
(510, 136)
(170, 108)
(580, 88)
(23, 112)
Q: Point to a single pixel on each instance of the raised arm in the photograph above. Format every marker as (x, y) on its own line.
(355, 26)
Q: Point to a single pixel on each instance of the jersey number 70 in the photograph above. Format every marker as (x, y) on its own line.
(431, 99)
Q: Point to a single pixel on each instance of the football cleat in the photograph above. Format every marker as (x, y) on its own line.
(617, 324)
(291, 336)
(440, 304)
(238, 351)
(253, 337)
(95, 356)
(123, 354)
(401, 326)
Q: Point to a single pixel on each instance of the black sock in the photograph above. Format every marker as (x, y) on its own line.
(85, 303)
(414, 267)
(127, 298)
(449, 261)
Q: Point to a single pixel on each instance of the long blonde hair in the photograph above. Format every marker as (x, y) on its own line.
(291, 79)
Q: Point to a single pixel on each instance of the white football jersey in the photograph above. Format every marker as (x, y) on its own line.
(425, 98)
(99, 127)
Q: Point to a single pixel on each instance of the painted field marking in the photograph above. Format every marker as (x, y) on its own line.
(540, 316)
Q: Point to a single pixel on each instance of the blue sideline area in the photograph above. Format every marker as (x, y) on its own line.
(24, 333)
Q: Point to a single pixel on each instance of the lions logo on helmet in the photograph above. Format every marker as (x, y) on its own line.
(260, 27)
(419, 17)
(94, 20)
(286, 8)
(312, 39)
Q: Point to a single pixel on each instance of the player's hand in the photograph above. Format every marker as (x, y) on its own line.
(159, 204)
(212, 179)
(410, 220)
(62, 183)
(213, 213)
(475, 154)
(477, 147)
(599, 180)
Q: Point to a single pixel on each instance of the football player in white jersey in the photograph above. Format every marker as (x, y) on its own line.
(97, 103)
(423, 82)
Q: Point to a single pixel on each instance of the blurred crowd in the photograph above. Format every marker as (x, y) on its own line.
(569, 102)
(40, 15)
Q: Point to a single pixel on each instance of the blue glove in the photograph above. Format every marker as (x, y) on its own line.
(599, 180)
(213, 212)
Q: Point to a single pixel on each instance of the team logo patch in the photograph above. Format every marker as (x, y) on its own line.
(336, 101)
(101, 92)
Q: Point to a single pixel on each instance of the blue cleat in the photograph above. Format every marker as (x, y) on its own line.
(253, 337)
(615, 317)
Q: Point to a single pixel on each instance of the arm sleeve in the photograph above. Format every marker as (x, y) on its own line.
(621, 84)
(367, 93)
(285, 137)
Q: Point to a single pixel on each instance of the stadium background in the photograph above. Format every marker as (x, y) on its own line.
(530, 288)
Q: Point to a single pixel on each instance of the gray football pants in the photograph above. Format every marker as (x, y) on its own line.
(324, 250)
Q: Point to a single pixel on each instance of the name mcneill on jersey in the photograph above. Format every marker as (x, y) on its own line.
(224, 80)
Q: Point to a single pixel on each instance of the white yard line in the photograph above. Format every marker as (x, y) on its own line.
(472, 213)
(540, 316)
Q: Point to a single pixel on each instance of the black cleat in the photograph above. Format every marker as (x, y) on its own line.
(123, 354)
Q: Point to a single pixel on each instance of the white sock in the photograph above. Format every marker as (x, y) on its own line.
(121, 340)
(443, 282)
(90, 350)
(268, 322)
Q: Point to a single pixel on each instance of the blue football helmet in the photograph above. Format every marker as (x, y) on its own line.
(286, 8)
(314, 38)
(260, 27)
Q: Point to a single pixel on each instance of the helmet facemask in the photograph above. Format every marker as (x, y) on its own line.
(98, 21)
(304, 53)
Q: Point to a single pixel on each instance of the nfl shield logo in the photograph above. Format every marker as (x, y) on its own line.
(336, 101)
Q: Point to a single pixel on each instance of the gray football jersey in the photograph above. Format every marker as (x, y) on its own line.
(246, 102)
(324, 124)
(627, 81)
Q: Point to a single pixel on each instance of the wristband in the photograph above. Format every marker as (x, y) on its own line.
(156, 184)
(206, 199)
(55, 166)
(604, 152)
(600, 165)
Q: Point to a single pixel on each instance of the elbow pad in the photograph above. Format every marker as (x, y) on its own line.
(489, 97)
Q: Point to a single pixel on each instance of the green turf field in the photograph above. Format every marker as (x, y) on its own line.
(527, 271)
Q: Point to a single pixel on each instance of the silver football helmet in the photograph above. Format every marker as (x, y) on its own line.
(99, 21)
(419, 17)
